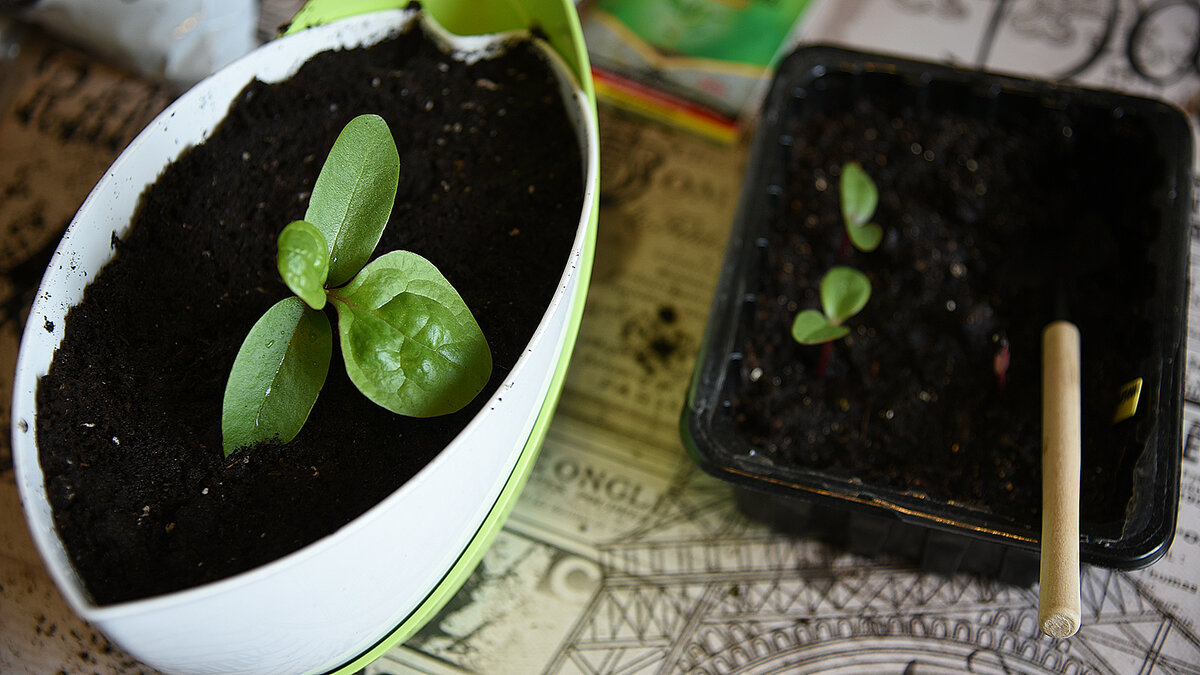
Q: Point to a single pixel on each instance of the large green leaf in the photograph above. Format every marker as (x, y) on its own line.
(303, 262)
(354, 194)
(844, 292)
(276, 375)
(409, 341)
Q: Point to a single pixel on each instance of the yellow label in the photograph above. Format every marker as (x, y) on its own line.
(1127, 401)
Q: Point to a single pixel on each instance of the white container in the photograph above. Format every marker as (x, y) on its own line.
(345, 595)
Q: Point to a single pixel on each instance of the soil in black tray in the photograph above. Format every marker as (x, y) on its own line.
(129, 423)
(994, 225)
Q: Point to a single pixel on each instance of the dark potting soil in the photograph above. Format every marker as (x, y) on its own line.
(994, 225)
(129, 424)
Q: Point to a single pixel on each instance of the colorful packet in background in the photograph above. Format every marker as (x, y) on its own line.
(715, 53)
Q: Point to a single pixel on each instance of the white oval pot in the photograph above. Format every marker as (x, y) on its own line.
(343, 597)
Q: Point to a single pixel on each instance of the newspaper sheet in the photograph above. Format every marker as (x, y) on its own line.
(621, 557)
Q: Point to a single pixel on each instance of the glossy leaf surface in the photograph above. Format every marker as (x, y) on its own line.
(276, 376)
(303, 262)
(409, 341)
(354, 194)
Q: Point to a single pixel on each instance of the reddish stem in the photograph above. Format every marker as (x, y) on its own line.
(1000, 364)
(844, 249)
(823, 361)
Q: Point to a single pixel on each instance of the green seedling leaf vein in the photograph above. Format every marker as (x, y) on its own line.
(354, 194)
(277, 374)
(382, 317)
(303, 262)
(409, 341)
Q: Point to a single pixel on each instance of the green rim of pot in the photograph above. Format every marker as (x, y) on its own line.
(557, 19)
(559, 22)
(492, 524)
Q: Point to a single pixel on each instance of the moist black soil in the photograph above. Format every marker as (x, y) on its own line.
(995, 223)
(129, 421)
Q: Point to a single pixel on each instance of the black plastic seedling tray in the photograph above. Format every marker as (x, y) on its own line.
(1109, 249)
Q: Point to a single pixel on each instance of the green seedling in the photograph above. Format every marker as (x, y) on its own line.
(844, 292)
(408, 340)
(859, 198)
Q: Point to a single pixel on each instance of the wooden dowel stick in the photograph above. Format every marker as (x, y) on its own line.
(1059, 608)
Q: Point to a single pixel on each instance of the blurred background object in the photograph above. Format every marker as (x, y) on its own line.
(175, 41)
(698, 64)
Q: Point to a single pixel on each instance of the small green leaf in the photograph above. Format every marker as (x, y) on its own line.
(844, 292)
(859, 195)
(812, 328)
(865, 238)
(276, 376)
(354, 194)
(409, 341)
(303, 262)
